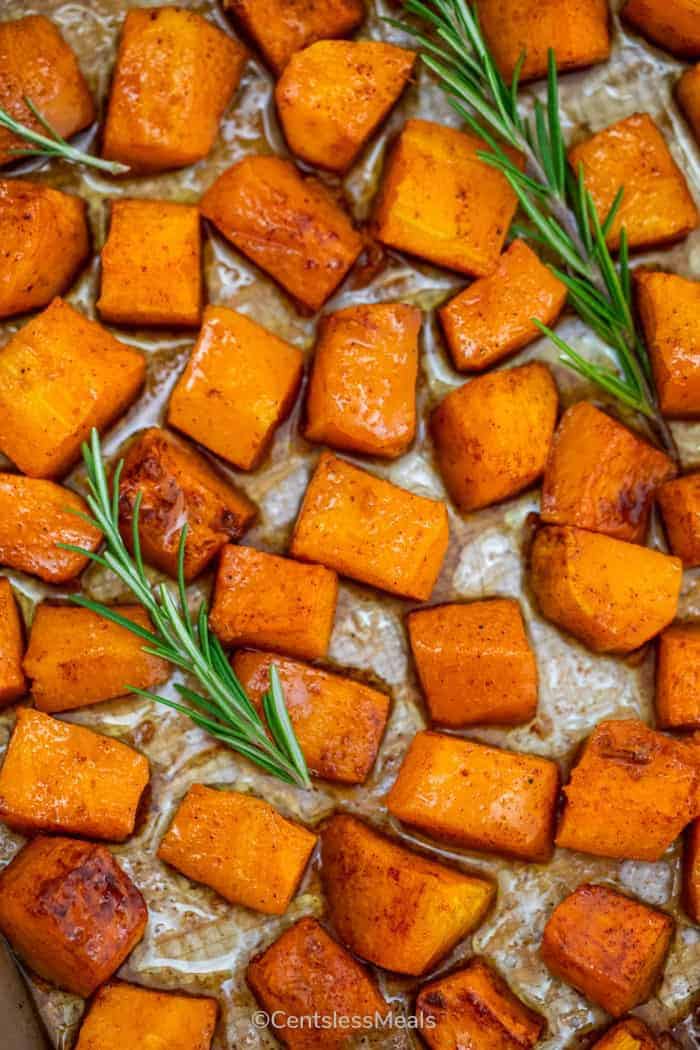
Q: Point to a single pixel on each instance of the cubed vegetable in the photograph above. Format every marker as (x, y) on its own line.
(493, 435)
(688, 94)
(672, 24)
(174, 77)
(362, 391)
(240, 383)
(373, 531)
(125, 1015)
(221, 837)
(391, 906)
(290, 226)
(612, 596)
(668, 307)
(678, 677)
(70, 912)
(60, 376)
(475, 664)
(609, 947)
(439, 201)
(631, 1034)
(680, 508)
(691, 872)
(12, 681)
(273, 603)
(338, 722)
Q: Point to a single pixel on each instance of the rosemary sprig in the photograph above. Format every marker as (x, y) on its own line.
(223, 709)
(53, 144)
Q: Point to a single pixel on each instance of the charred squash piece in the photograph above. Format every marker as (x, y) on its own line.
(668, 307)
(12, 681)
(678, 677)
(679, 501)
(672, 24)
(125, 1015)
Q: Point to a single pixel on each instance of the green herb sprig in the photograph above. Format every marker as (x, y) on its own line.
(53, 144)
(223, 710)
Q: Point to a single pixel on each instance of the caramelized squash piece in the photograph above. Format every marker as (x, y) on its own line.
(439, 201)
(240, 383)
(612, 596)
(493, 435)
(60, 376)
(70, 912)
(362, 391)
(680, 508)
(672, 24)
(76, 657)
(688, 94)
(479, 797)
(475, 663)
(678, 677)
(394, 907)
(338, 722)
(668, 306)
(691, 872)
(125, 1015)
(12, 681)
(631, 1034)
(221, 837)
(609, 947)
(65, 778)
(289, 226)
(371, 530)
(174, 77)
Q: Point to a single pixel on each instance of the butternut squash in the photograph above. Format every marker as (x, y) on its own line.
(12, 681)
(124, 1015)
(668, 306)
(687, 94)
(672, 24)
(691, 873)
(678, 677)
(631, 1034)
(679, 501)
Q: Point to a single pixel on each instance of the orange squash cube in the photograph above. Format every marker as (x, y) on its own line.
(76, 657)
(371, 530)
(630, 794)
(62, 777)
(177, 487)
(474, 662)
(479, 797)
(219, 838)
(152, 265)
(474, 1007)
(36, 62)
(439, 201)
(672, 24)
(612, 596)
(657, 207)
(362, 391)
(668, 307)
(70, 912)
(279, 28)
(678, 677)
(338, 722)
(688, 94)
(289, 226)
(679, 501)
(601, 476)
(609, 947)
(493, 435)
(631, 1034)
(35, 516)
(174, 77)
(305, 972)
(334, 94)
(394, 907)
(273, 603)
(124, 1015)
(12, 681)
(691, 872)
(240, 383)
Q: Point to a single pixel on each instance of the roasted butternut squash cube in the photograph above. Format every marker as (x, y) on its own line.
(668, 307)
(36, 62)
(609, 947)
(688, 94)
(631, 793)
(60, 376)
(35, 517)
(152, 265)
(474, 662)
(219, 838)
(335, 93)
(273, 603)
(439, 201)
(657, 207)
(240, 383)
(576, 30)
(493, 435)
(174, 77)
(679, 501)
(338, 722)
(178, 487)
(474, 1007)
(12, 681)
(631, 1034)
(124, 1015)
(691, 872)
(76, 657)
(678, 677)
(362, 391)
(70, 912)
(289, 226)
(373, 531)
(672, 24)
(62, 777)
(601, 476)
(612, 596)
(279, 28)
(394, 907)
(45, 239)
